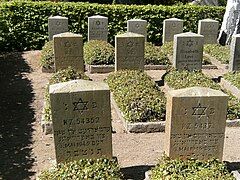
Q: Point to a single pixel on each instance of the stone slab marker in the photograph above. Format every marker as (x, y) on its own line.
(188, 51)
(57, 25)
(129, 51)
(97, 28)
(209, 29)
(138, 26)
(68, 51)
(195, 123)
(171, 27)
(81, 120)
(235, 53)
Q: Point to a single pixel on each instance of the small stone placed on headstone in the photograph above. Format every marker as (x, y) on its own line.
(68, 51)
(97, 28)
(209, 29)
(195, 123)
(57, 25)
(129, 51)
(188, 51)
(171, 27)
(235, 53)
(81, 116)
(138, 26)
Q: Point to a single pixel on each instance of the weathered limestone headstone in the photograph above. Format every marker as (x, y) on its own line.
(235, 53)
(97, 28)
(195, 123)
(138, 26)
(57, 25)
(206, 2)
(171, 27)
(209, 29)
(68, 51)
(188, 51)
(81, 117)
(129, 51)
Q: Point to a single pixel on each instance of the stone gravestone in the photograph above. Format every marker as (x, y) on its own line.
(138, 26)
(129, 51)
(57, 25)
(195, 123)
(97, 28)
(81, 116)
(68, 51)
(171, 27)
(188, 51)
(209, 29)
(235, 53)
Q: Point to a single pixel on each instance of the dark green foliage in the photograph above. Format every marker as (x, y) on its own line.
(137, 96)
(234, 78)
(84, 169)
(24, 23)
(184, 79)
(47, 55)
(58, 77)
(98, 52)
(221, 53)
(168, 168)
(154, 55)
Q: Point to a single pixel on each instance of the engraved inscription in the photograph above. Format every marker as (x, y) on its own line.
(80, 105)
(199, 111)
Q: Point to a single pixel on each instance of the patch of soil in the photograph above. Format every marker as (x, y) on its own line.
(25, 151)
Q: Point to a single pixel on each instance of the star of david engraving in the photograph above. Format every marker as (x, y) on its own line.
(137, 26)
(199, 111)
(189, 43)
(80, 105)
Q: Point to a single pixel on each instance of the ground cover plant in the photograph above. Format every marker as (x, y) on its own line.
(154, 55)
(234, 78)
(221, 53)
(84, 169)
(98, 52)
(167, 48)
(168, 168)
(24, 23)
(137, 96)
(58, 77)
(183, 79)
(47, 55)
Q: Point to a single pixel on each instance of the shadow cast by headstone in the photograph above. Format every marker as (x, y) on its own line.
(135, 172)
(233, 166)
(16, 118)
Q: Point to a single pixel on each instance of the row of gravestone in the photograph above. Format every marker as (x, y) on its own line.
(81, 116)
(98, 28)
(129, 51)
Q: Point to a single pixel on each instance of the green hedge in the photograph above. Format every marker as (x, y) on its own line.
(183, 79)
(193, 169)
(84, 169)
(137, 96)
(24, 24)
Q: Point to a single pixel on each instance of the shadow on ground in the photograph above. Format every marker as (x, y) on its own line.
(233, 166)
(135, 172)
(16, 118)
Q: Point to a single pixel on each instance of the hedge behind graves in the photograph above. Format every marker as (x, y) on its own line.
(24, 24)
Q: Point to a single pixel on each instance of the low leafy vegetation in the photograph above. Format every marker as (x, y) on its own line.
(137, 96)
(221, 53)
(154, 55)
(183, 79)
(234, 78)
(84, 169)
(58, 77)
(47, 55)
(98, 52)
(168, 168)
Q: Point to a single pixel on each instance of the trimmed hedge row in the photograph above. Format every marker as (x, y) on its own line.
(168, 168)
(24, 24)
(183, 79)
(137, 96)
